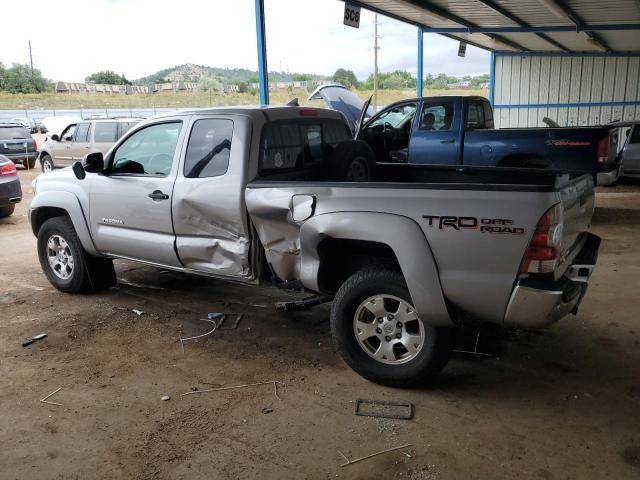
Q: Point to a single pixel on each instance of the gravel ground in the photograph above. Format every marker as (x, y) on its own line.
(563, 403)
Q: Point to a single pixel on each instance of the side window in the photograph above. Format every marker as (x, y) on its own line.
(488, 115)
(396, 117)
(208, 148)
(149, 151)
(475, 115)
(635, 136)
(82, 133)
(436, 116)
(105, 132)
(281, 147)
(67, 135)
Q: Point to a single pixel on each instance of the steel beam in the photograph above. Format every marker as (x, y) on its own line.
(419, 89)
(521, 23)
(263, 73)
(492, 77)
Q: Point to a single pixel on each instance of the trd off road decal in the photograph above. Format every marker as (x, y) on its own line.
(485, 225)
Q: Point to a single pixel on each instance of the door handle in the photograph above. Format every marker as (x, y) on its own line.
(448, 140)
(158, 195)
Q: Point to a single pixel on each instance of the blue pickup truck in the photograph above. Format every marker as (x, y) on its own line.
(458, 132)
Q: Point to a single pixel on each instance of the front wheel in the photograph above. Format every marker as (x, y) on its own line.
(65, 262)
(47, 164)
(379, 334)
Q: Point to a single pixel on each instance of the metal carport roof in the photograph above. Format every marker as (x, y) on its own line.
(524, 25)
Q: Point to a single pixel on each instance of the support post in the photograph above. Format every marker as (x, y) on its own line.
(420, 63)
(263, 81)
(492, 74)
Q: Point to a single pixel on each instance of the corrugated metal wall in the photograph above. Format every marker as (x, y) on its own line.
(572, 90)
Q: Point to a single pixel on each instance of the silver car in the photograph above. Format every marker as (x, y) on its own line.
(78, 139)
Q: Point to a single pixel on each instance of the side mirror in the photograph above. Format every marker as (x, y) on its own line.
(78, 171)
(94, 162)
(55, 137)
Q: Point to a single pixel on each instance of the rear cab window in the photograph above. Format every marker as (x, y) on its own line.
(297, 145)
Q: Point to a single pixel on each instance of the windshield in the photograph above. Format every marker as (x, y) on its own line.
(13, 132)
(396, 116)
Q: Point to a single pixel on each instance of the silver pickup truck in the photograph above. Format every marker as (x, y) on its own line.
(283, 195)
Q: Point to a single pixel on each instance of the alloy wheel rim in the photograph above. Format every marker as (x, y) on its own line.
(60, 257)
(388, 329)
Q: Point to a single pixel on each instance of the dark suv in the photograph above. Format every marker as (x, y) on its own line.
(17, 144)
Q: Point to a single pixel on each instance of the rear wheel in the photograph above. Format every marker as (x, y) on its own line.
(7, 210)
(65, 262)
(46, 162)
(29, 163)
(378, 333)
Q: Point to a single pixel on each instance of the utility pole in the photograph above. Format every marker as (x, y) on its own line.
(31, 61)
(375, 61)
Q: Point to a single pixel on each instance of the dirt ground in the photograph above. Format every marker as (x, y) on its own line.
(563, 403)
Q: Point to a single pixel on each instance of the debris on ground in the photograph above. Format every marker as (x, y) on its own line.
(46, 399)
(356, 460)
(205, 334)
(34, 339)
(214, 315)
(137, 312)
(384, 409)
(267, 410)
(238, 320)
(233, 387)
(304, 304)
(165, 398)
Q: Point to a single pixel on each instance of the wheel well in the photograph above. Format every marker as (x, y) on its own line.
(340, 258)
(41, 215)
(42, 153)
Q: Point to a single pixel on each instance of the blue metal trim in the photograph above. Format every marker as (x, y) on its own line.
(492, 77)
(566, 54)
(263, 80)
(570, 105)
(419, 89)
(543, 29)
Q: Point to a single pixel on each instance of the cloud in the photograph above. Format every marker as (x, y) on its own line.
(139, 37)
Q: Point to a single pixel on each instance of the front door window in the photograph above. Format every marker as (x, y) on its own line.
(148, 151)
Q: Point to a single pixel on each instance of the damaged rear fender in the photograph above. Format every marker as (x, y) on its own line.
(401, 234)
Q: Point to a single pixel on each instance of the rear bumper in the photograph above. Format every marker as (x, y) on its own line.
(20, 157)
(536, 303)
(10, 192)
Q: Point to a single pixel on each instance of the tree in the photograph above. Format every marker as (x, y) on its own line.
(108, 77)
(346, 78)
(301, 77)
(396, 80)
(19, 79)
(243, 87)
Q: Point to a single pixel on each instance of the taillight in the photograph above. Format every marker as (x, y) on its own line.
(308, 112)
(603, 150)
(35, 144)
(8, 169)
(546, 242)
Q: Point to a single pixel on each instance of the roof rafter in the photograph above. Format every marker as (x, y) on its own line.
(563, 6)
(429, 7)
(521, 23)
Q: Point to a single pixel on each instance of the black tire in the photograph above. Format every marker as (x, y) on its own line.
(7, 210)
(46, 163)
(352, 157)
(89, 274)
(418, 371)
(29, 163)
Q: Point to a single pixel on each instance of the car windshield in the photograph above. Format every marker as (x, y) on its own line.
(13, 132)
(396, 116)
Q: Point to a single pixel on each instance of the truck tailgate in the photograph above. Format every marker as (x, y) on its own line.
(577, 199)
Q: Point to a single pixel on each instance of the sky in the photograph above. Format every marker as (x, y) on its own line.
(139, 37)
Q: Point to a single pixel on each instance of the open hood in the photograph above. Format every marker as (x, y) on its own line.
(343, 100)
